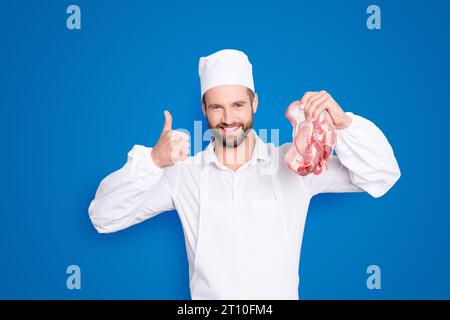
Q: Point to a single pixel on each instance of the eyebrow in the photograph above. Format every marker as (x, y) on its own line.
(234, 103)
(215, 105)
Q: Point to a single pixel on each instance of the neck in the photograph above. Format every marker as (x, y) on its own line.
(234, 158)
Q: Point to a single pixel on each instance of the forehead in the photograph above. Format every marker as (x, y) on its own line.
(226, 94)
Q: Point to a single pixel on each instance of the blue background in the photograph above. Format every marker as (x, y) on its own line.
(73, 103)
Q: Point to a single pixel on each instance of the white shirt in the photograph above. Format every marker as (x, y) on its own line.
(140, 190)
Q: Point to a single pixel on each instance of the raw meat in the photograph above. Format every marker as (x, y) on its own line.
(312, 141)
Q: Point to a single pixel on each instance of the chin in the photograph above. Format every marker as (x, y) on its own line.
(236, 141)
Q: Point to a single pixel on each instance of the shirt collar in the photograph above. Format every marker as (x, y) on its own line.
(260, 152)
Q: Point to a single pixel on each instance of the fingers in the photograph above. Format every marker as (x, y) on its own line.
(182, 145)
(168, 121)
(314, 103)
(317, 106)
(315, 115)
(184, 152)
(179, 134)
(175, 136)
(179, 145)
(179, 152)
(306, 97)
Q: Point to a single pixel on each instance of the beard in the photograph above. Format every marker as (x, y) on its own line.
(231, 140)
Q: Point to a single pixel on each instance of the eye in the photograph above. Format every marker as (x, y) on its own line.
(239, 105)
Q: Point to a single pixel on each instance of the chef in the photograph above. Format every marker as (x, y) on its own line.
(242, 210)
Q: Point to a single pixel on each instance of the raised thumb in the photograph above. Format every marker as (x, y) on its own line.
(168, 121)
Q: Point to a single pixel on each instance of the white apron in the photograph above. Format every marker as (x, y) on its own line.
(243, 251)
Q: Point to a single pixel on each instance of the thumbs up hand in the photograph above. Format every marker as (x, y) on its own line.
(172, 145)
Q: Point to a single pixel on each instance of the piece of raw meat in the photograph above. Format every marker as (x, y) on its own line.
(312, 141)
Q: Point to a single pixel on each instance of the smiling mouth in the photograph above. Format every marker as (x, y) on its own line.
(229, 130)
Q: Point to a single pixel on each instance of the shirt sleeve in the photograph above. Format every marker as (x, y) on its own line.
(364, 161)
(131, 194)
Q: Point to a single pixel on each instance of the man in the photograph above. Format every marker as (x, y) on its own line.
(242, 210)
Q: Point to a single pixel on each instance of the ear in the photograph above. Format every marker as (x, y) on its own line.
(203, 98)
(255, 103)
(203, 109)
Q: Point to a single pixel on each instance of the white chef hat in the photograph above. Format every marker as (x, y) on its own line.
(226, 66)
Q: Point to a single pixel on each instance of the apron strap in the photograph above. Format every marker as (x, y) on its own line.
(276, 187)
(204, 185)
(268, 170)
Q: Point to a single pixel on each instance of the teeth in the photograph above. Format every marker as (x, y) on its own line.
(231, 129)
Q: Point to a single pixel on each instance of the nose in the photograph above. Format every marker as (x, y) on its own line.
(228, 116)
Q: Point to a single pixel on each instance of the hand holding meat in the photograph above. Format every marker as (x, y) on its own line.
(314, 119)
(313, 103)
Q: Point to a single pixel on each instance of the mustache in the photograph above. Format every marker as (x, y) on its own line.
(225, 125)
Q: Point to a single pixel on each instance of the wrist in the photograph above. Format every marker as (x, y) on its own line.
(345, 124)
(154, 158)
